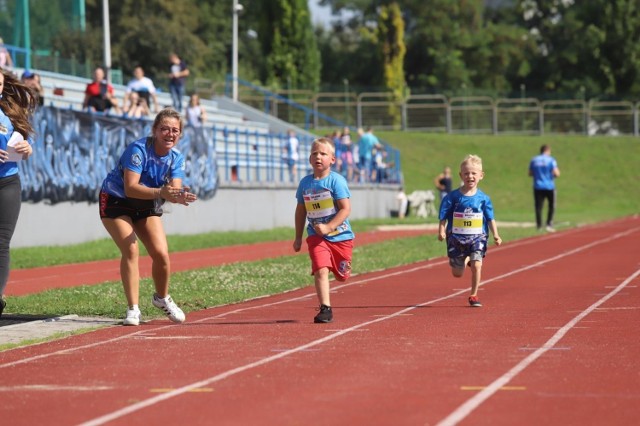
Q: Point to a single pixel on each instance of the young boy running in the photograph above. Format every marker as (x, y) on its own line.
(467, 213)
(323, 201)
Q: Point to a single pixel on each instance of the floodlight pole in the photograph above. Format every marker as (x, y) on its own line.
(107, 39)
(234, 50)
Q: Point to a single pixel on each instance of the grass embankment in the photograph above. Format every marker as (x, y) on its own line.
(593, 187)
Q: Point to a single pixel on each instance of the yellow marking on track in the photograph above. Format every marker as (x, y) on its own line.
(506, 388)
(166, 390)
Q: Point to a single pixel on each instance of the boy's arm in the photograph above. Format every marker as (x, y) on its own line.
(300, 220)
(494, 230)
(344, 210)
(442, 230)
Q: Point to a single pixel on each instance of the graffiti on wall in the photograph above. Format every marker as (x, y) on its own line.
(74, 151)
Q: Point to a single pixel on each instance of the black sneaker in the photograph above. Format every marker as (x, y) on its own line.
(2, 305)
(325, 315)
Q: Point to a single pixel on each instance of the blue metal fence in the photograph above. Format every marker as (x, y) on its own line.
(74, 150)
(390, 170)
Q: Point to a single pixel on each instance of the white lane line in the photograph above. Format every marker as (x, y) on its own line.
(471, 404)
(53, 388)
(488, 392)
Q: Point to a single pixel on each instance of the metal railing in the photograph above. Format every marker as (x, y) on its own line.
(437, 113)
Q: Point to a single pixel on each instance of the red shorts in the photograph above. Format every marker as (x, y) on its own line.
(335, 256)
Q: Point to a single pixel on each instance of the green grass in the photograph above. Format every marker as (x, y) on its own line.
(202, 288)
(32, 257)
(593, 187)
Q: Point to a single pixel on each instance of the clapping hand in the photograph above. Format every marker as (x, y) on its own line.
(180, 195)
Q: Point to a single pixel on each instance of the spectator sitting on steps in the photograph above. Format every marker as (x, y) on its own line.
(99, 95)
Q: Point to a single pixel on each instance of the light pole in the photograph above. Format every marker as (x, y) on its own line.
(346, 99)
(107, 39)
(237, 8)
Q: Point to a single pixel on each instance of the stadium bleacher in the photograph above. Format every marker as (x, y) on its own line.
(64, 91)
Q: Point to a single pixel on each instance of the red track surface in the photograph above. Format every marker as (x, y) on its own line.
(555, 344)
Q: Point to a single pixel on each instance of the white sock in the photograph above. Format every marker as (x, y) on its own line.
(134, 308)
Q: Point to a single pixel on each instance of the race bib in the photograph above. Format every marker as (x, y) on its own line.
(319, 205)
(467, 223)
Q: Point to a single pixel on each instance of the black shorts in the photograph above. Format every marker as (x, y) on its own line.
(112, 207)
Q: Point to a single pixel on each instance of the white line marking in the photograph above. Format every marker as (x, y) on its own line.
(55, 388)
(176, 337)
(465, 409)
(457, 415)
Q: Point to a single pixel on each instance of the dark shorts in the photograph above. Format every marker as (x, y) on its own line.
(461, 246)
(112, 207)
(99, 103)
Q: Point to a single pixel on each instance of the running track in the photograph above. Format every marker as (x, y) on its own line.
(555, 344)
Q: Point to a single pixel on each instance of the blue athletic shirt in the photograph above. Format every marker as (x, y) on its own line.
(319, 197)
(471, 214)
(8, 168)
(140, 157)
(541, 167)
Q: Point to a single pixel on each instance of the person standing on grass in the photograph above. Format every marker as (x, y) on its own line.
(149, 172)
(466, 216)
(544, 169)
(17, 104)
(324, 201)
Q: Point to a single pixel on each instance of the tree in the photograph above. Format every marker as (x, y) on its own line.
(289, 44)
(390, 34)
(612, 30)
(450, 45)
(606, 58)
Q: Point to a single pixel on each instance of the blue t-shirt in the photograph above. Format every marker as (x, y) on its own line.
(8, 168)
(319, 197)
(366, 144)
(541, 168)
(154, 171)
(467, 215)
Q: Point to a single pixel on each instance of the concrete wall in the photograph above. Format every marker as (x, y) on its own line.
(240, 207)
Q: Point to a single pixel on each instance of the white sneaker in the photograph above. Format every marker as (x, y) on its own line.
(550, 228)
(169, 307)
(132, 318)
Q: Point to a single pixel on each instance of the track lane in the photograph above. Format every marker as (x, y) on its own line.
(384, 356)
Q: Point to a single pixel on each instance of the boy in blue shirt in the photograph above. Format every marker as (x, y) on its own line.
(324, 201)
(466, 216)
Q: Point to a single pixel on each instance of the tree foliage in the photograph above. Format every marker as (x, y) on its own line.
(548, 47)
(288, 42)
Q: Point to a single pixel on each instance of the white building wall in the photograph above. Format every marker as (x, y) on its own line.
(234, 208)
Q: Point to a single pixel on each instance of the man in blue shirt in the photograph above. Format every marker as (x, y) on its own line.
(544, 169)
(368, 141)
